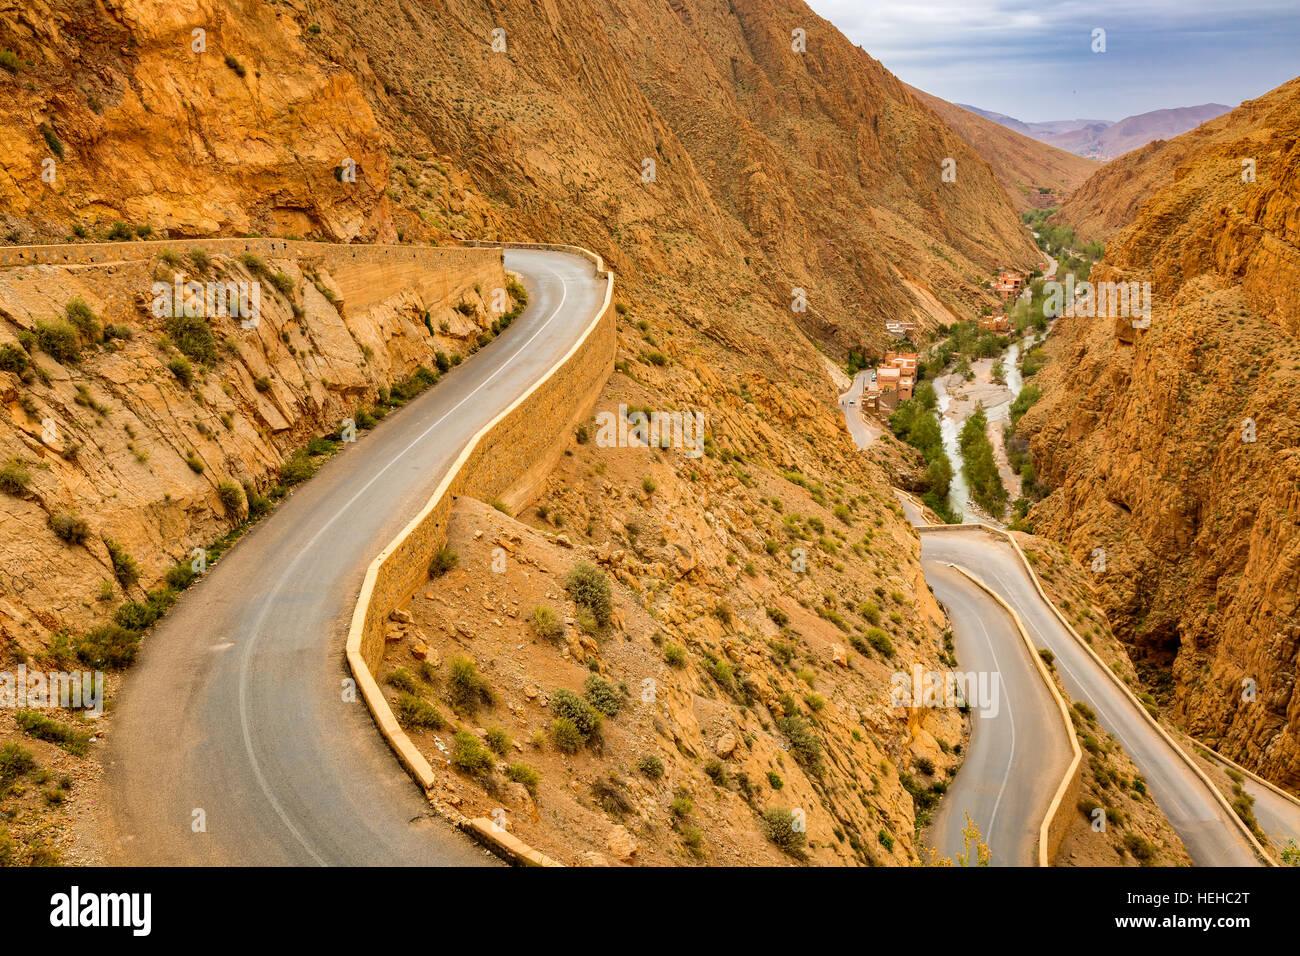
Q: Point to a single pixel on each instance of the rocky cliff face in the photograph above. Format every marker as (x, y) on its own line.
(137, 436)
(1173, 450)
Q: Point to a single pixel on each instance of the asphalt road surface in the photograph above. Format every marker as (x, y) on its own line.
(233, 717)
(1019, 749)
(1206, 828)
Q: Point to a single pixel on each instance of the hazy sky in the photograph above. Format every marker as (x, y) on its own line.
(1033, 59)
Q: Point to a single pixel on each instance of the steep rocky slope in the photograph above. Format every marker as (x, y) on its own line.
(774, 170)
(814, 170)
(1172, 451)
(1034, 174)
(1112, 198)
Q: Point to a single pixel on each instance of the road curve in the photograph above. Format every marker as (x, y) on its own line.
(1018, 751)
(851, 405)
(235, 706)
(1207, 829)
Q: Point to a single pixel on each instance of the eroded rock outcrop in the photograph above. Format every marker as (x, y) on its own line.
(1173, 450)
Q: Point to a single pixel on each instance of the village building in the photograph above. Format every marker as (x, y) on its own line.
(899, 328)
(895, 380)
(997, 324)
(1009, 284)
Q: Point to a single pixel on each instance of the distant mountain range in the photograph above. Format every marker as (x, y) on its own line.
(1104, 140)
(1034, 174)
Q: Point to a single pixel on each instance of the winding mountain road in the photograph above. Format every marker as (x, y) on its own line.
(232, 743)
(980, 628)
(1019, 749)
(1208, 830)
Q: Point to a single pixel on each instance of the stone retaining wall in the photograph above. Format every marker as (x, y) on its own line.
(366, 275)
(506, 459)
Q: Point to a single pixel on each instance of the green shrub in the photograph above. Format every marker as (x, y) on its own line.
(181, 575)
(415, 711)
(779, 827)
(70, 527)
(522, 773)
(498, 740)
(546, 623)
(774, 780)
(442, 562)
(403, 681)
(589, 587)
(200, 259)
(232, 498)
(469, 756)
(567, 704)
(59, 341)
(587, 621)
(82, 318)
(193, 337)
(37, 725)
(651, 766)
(879, 640)
(180, 366)
(9, 61)
(715, 771)
(15, 760)
(14, 477)
(297, 469)
(125, 569)
(1143, 850)
(262, 383)
(13, 358)
(108, 646)
(675, 655)
(137, 616)
(52, 139)
(234, 64)
(568, 739)
(602, 695)
(195, 462)
(804, 745)
(466, 689)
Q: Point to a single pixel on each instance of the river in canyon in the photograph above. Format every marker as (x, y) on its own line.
(957, 399)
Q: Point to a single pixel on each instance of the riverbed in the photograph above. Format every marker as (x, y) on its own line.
(957, 399)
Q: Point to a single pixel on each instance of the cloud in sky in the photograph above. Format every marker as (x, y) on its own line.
(1033, 59)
